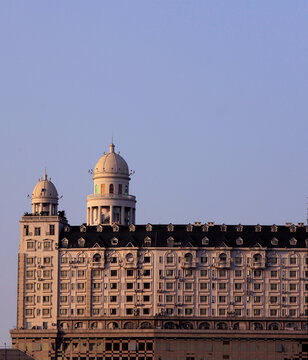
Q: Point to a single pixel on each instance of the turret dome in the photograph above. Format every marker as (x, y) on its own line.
(112, 164)
(45, 190)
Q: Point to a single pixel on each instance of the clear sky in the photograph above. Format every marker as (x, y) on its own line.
(207, 102)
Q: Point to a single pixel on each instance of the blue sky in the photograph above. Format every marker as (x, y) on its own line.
(207, 102)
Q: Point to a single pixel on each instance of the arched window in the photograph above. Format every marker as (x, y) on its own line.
(204, 326)
(111, 189)
(129, 325)
(146, 325)
(94, 325)
(257, 258)
(129, 258)
(223, 257)
(187, 325)
(274, 326)
(113, 325)
(257, 326)
(188, 257)
(170, 325)
(222, 326)
(96, 258)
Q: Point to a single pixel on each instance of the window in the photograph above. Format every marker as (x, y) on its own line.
(147, 259)
(222, 311)
(274, 273)
(222, 273)
(80, 299)
(188, 311)
(169, 311)
(29, 286)
(129, 286)
(29, 312)
(26, 230)
(292, 312)
(46, 286)
(257, 273)
(63, 312)
(80, 286)
(95, 299)
(203, 259)
(257, 299)
(203, 312)
(146, 298)
(203, 286)
(237, 312)
(274, 286)
(120, 189)
(64, 260)
(238, 260)
(169, 298)
(46, 245)
(96, 273)
(103, 189)
(114, 260)
(292, 299)
(188, 286)
(292, 274)
(80, 311)
(129, 272)
(257, 312)
(203, 273)
(293, 260)
(257, 286)
(63, 299)
(222, 286)
(113, 298)
(169, 272)
(188, 298)
(46, 273)
(45, 312)
(46, 299)
(169, 286)
(80, 273)
(146, 285)
(113, 286)
(111, 190)
(273, 260)
(222, 299)
(147, 272)
(30, 245)
(187, 272)
(129, 311)
(238, 299)
(63, 286)
(292, 287)
(238, 273)
(64, 273)
(112, 311)
(273, 299)
(37, 231)
(29, 299)
(47, 260)
(203, 299)
(238, 286)
(30, 261)
(51, 229)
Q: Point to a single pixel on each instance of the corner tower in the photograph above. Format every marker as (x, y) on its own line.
(111, 202)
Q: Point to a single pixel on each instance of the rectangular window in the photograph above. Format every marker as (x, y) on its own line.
(222, 299)
(146, 298)
(45, 312)
(147, 259)
(80, 299)
(147, 272)
(188, 272)
(169, 272)
(46, 286)
(129, 286)
(63, 286)
(203, 299)
(169, 298)
(274, 286)
(29, 312)
(203, 312)
(203, 260)
(188, 311)
(80, 286)
(46, 299)
(293, 260)
(292, 287)
(237, 286)
(80, 273)
(103, 189)
(46, 245)
(113, 298)
(37, 231)
(113, 286)
(188, 298)
(112, 311)
(169, 311)
(30, 245)
(188, 286)
(203, 273)
(257, 312)
(222, 273)
(120, 189)
(29, 286)
(292, 274)
(26, 230)
(222, 286)
(51, 229)
(146, 285)
(129, 311)
(129, 272)
(292, 299)
(222, 312)
(30, 261)
(29, 299)
(95, 299)
(64, 273)
(238, 260)
(46, 273)
(203, 286)
(257, 299)
(273, 299)
(47, 260)
(257, 286)
(63, 299)
(238, 273)
(273, 312)
(80, 311)
(238, 299)
(169, 286)
(257, 273)
(238, 312)
(274, 273)
(63, 312)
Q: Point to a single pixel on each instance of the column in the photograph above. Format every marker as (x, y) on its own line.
(111, 215)
(99, 214)
(131, 220)
(122, 215)
(50, 210)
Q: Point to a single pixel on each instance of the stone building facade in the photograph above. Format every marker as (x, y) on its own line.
(110, 289)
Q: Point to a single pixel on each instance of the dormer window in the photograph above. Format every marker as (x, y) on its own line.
(274, 241)
(64, 243)
(205, 241)
(293, 241)
(115, 228)
(147, 241)
(83, 228)
(239, 228)
(129, 258)
(274, 228)
(67, 228)
(170, 241)
(257, 258)
(189, 227)
(205, 228)
(170, 227)
(258, 228)
(222, 257)
(223, 228)
(99, 228)
(188, 257)
(132, 227)
(148, 227)
(114, 241)
(292, 228)
(81, 242)
(239, 241)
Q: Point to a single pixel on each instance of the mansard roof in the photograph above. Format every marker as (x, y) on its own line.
(217, 236)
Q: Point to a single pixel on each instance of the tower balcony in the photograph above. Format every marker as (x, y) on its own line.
(111, 196)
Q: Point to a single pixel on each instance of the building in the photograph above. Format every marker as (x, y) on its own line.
(110, 289)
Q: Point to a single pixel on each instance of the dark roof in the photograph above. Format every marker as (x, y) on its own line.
(183, 238)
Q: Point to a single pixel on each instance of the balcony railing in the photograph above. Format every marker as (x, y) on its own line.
(111, 196)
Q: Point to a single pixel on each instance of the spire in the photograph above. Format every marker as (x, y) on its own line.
(45, 174)
(111, 147)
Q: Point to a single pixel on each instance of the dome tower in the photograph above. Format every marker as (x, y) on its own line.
(45, 198)
(111, 202)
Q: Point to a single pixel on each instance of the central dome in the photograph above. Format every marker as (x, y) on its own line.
(111, 163)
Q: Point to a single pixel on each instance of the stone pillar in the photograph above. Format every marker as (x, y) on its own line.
(111, 215)
(99, 215)
(50, 209)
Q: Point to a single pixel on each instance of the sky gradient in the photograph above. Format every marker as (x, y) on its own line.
(206, 100)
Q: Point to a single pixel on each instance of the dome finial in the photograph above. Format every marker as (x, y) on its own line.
(45, 174)
(111, 147)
